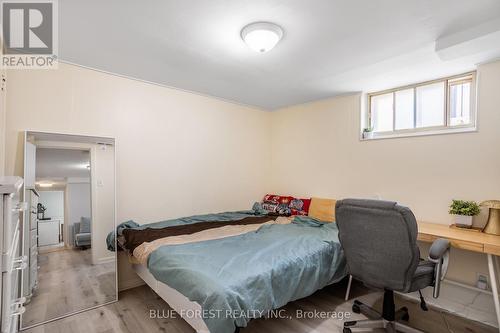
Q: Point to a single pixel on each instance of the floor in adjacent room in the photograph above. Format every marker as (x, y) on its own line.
(131, 314)
(68, 282)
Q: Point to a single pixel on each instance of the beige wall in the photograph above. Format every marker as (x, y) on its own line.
(2, 123)
(317, 152)
(178, 153)
(3, 75)
(2, 133)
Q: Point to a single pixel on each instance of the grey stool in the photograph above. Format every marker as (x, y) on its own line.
(379, 239)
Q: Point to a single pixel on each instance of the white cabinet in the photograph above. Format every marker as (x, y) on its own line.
(48, 232)
(11, 260)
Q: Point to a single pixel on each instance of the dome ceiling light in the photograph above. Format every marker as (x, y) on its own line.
(261, 36)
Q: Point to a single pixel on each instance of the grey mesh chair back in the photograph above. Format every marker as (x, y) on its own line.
(379, 239)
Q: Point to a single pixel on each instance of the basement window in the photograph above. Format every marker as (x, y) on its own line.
(435, 107)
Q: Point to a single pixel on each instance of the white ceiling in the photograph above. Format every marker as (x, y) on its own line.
(330, 47)
(59, 164)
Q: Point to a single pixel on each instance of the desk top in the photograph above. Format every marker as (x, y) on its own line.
(462, 239)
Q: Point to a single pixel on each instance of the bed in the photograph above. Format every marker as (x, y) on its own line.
(218, 279)
(177, 301)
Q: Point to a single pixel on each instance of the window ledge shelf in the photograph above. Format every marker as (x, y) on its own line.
(451, 130)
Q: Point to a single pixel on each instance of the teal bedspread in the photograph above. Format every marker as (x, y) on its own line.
(237, 278)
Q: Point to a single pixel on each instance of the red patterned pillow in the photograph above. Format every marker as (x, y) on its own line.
(300, 206)
(277, 204)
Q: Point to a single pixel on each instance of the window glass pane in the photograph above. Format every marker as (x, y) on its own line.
(404, 109)
(382, 115)
(430, 105)
(460, 104)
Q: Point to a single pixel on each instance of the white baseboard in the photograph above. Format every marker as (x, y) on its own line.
(462, 300)
(475, 289)
(130, 284)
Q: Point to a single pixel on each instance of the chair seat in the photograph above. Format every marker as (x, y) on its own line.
(82, 239)
(423, 277)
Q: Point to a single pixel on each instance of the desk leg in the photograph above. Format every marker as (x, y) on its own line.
(494, 286)
(348, 291)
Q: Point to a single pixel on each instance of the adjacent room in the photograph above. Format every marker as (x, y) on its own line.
(66, 273)
(250, 166)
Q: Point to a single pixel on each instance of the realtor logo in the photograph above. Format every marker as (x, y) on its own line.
(29, 34)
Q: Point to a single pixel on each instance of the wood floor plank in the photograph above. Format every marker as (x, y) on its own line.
(69, 282)
(131, 315)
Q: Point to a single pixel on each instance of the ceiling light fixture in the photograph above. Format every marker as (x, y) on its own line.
(45, 184)
(81, 166)
(261, 36)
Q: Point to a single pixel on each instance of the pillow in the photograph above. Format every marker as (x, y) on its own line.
(277, 204)
(322, 209)
(84, 225)
(300, 206)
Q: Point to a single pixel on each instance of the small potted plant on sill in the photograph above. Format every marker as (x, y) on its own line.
(368, 133)
(463, 211)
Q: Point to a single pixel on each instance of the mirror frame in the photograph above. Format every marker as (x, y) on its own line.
(115, 255)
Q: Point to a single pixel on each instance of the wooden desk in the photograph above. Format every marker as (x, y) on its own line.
(467, 240)
(461, 239)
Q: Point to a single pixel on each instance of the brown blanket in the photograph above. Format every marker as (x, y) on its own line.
(134, 237)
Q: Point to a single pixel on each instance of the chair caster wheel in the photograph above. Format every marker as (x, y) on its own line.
(356, 308)
(346, 330)
(406, 316)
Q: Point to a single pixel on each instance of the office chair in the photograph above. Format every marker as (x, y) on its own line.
(379, 239)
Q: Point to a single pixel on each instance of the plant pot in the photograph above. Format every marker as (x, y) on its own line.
(463, 221)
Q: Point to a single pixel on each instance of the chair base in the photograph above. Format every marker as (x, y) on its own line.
(388, 326)
(391, 321)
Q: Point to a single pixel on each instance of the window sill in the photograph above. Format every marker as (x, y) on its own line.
(451, 130)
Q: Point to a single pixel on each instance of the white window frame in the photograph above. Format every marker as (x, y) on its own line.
(430, 130)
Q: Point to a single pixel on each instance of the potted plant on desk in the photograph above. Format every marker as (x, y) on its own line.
(463, 211)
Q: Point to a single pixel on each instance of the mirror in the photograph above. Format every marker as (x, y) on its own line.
(70, 192)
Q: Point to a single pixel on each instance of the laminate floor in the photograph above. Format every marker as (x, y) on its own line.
(68, 282)
(131, 314)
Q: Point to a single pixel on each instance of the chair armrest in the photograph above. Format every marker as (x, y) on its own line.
(438, 249)
(76, 230)
(71, 233)
(439, 255)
